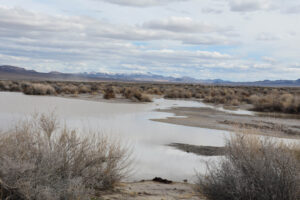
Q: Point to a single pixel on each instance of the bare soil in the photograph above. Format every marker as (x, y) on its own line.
(149, 190)
(215, 119)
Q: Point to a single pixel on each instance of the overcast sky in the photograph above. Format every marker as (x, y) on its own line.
(239, 40)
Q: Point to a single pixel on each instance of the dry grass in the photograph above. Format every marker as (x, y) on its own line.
(178, 93)
(135, 95)
(253, 168)
(109, 93)
(265, 99)
(286, 103)
(39, 89)
(39, 161)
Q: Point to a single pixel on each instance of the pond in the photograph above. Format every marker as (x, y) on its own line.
(129, 122)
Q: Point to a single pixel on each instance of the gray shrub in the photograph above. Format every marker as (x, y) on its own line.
(39, 161)
(253, 169)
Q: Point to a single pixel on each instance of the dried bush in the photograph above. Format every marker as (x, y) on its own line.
(109, 93)
(2, 85)
(154, 90)
(286, 103)
(135, 95)
(39, 89)
(39, 161)
(178, 94)
(84, 89)
(15, 87)
(69, 89)
(253, 168)
(5, 85)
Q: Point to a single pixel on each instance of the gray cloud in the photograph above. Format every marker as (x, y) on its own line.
(167, 46)
(141, 3)
(249, 5)
(292, 9)
(180, 24)
(80, 43)
(18, 23)
(212, 10)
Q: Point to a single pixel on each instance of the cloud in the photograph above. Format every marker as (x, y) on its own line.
(269, 59)
(141, 3)
(249, 5)
(267, 37)
(63, 43)
(212, 10)
(292, 9)
(144, 42)
(180, 24)
(19, 24)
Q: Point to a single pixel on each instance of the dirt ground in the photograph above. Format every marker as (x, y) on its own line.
(149, 190)
(276, 126)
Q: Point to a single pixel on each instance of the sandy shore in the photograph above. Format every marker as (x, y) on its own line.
(215, 119)
(149, 190)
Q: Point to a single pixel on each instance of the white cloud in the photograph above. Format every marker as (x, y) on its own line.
(210, 40)
(267, 37)
(181, 24)
(269, 59)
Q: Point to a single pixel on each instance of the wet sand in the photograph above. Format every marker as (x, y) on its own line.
(220, 120)
(149, 190)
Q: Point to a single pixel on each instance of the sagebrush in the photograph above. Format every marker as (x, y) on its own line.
(40, 161)
(253, 168)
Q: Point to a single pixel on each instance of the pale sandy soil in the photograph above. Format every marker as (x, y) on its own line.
(215, 119)
(148, 190)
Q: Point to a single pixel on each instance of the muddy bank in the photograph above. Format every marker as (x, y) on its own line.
(149, 190)
(220, 120)
(199, 150)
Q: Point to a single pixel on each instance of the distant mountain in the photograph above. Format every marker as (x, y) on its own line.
(16, 73)
(276, 83)
(8, 72)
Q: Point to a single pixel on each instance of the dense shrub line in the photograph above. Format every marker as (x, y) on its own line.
(266, 99)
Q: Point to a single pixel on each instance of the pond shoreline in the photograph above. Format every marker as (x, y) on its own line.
(212, 118)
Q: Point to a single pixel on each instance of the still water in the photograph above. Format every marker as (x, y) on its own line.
(126, 121)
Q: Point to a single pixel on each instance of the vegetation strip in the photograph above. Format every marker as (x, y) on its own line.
(263, 99)
(200, 150)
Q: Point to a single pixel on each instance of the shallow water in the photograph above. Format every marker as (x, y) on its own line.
(130, 123)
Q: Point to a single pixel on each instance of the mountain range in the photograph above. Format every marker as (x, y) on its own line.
(8, 72)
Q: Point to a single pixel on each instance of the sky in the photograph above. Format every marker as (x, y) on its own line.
(237, 40)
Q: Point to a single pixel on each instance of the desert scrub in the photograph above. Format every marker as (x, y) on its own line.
(38, 89)
(69, 89)
(39, 161)
(285, 103)
(178, 93)
(135, 95)
(253, 168)
(109, 93)
(84, 89)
